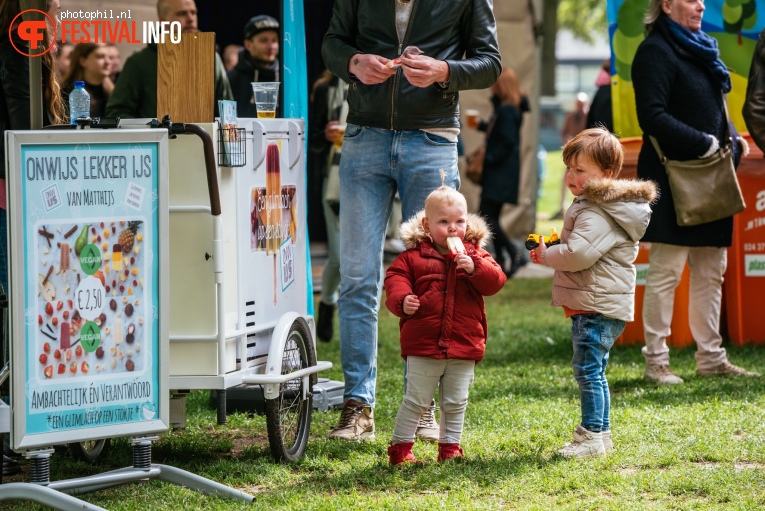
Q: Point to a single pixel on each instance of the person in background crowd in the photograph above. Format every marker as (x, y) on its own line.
(754, 105)
(90, 63)
(14, 115)
(501, 175)
(258, 62)
(135, 95)
(115, 61)
(231, 56)
(329, 108)
(680, 83)
(402, 129)
(63, 56)
(600, 112)
(574, 122)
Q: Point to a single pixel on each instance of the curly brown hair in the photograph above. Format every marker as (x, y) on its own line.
(9, 9)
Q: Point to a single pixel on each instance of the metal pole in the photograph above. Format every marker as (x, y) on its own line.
(35, 65)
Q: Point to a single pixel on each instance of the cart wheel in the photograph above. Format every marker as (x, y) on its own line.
(89, 451)
(289, 416)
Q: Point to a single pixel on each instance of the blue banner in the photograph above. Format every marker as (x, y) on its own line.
(296, 94)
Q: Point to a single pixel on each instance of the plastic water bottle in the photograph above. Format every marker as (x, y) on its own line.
(79, 102)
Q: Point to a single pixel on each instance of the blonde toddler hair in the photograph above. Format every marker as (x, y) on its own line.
(444, 195)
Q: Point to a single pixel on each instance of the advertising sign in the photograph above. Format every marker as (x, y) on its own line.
(88, 230)
(735, 25)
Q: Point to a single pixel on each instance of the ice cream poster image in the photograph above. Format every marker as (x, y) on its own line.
(90, 307)
(273, 210)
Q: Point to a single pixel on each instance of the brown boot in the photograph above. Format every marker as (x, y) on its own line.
(401, 453)
(449, 451)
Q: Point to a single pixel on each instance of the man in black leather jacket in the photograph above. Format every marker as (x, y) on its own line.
(403, 123)
(754, 106)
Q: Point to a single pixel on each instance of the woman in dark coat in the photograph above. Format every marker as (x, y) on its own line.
(679, 83)
(502, 164)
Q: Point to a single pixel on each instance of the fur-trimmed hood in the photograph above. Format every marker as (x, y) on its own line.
(618, 198)
(477, 233)
(623, 190)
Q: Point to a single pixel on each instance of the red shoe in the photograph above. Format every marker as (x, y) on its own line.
(401, 453)
(449, 451)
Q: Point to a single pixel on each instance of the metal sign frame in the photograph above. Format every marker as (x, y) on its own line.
(88, 391)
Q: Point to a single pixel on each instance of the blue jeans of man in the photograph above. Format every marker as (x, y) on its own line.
(593, 335)
(375, 164)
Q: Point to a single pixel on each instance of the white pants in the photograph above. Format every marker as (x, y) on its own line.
(707, 266)
(423, 375)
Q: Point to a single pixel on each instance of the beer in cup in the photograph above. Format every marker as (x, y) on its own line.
(472, 117)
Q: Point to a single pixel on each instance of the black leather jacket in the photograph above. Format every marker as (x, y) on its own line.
(443, 29)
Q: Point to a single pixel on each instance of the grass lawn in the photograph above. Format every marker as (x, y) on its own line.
(696, 446)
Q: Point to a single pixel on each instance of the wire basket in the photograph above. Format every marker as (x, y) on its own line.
(231, 148)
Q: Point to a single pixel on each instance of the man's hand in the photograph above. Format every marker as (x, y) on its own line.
(423, 71)
(411, 304)
(370, 69)
(330, 131)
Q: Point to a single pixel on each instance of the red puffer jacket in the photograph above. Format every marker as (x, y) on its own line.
(451, 320)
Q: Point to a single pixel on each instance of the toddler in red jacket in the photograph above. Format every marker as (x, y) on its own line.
(438, 294)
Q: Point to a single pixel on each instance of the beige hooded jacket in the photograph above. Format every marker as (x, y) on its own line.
(599, 244)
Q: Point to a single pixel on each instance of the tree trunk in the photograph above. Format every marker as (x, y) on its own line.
(549, 31)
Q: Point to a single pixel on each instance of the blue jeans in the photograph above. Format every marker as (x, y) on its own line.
(593, 335)
(375, 164)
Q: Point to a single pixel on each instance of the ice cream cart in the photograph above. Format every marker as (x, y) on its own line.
(237, 308)
(238, 281)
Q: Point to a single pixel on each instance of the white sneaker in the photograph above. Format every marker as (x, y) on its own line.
(579, 437)
(586, 444)
(607, 443)
(661, 374)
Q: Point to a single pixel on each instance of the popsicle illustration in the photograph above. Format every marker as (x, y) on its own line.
(117, 257)
(117, 328)
(64, 338)
(273, 199)
(64, 260)
(455, 245)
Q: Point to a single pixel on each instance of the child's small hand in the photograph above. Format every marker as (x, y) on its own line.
(536, 254)
(411, 304)
(465, 262)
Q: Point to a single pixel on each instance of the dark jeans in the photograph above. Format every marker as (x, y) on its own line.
(593, 335)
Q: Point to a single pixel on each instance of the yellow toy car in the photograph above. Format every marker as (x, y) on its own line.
(532, 241)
